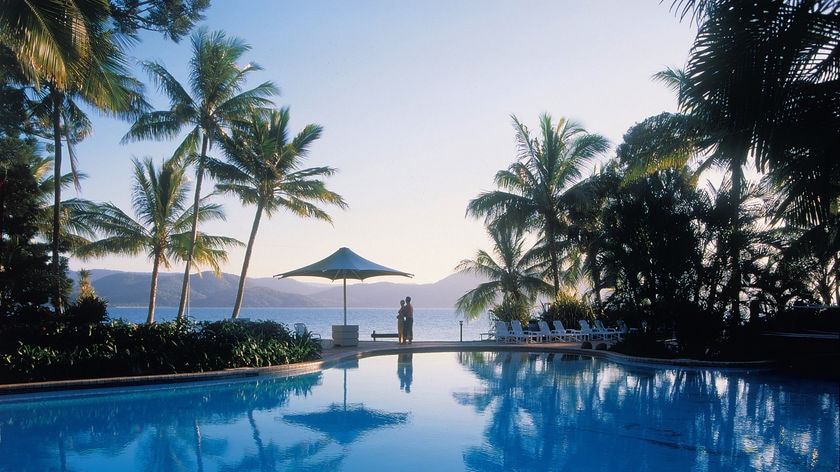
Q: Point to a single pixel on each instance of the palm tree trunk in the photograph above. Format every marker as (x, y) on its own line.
(734, 245)
(241, 292)
(150, 318)
(199, 176)
(199, 457)
(597, 283)
(555, 264)
(56, 261)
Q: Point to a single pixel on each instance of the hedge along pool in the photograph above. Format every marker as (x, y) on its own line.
(440, 412)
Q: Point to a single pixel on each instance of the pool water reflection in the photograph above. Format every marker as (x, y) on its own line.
(441, 411)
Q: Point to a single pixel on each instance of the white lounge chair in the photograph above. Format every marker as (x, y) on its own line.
(529, 336)
(546, 333)
(300, 330)
(568, 334)
(505, 335)
(589, 332)
(609, 333)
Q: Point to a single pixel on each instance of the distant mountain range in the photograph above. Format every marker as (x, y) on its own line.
(127, 289)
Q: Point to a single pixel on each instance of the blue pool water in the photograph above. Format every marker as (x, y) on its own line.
(438, 412)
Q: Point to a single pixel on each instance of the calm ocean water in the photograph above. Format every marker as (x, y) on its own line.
(430, 324)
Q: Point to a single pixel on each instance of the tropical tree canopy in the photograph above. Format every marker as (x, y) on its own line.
(264, 168)
(764, 77)
(511, 273)
(535, 191)
(161, 230)
(216, 101)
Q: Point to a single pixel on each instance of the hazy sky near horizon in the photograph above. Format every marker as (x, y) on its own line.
(416, 99)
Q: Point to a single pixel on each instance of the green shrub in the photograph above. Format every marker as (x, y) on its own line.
(88, 310)
(510, 309)
(569, 310)
(57, 351)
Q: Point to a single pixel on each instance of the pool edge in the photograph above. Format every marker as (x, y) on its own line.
(333, 356)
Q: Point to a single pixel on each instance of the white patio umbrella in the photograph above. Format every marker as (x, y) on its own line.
(343, 264)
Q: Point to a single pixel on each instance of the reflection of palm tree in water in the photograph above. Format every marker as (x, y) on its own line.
(405, 371)
(198, 457)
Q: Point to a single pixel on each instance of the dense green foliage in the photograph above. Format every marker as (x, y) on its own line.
(49, 349)
(512, 273)
(24, 261)
(700, 272)
(55, 56)
(568, 310)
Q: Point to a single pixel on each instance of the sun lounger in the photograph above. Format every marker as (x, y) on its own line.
(300, 330)
(568, 334)
(546, 333)
(530, 336)
(505, 335)
(586, 329)
(608, 333)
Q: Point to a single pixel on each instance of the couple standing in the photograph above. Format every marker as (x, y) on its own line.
(405, 321)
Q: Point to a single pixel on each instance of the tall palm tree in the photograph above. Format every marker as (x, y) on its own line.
(217, 99)
(159, 199)
(762, 76)
(73, 231)
(100, 79)
(67, 50)
(264, 169)
(511, 273)
(56, 43)
(535, 188)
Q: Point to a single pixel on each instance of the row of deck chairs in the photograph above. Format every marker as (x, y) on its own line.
(515, 333)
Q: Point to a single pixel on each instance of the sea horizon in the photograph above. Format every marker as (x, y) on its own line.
(430, 324)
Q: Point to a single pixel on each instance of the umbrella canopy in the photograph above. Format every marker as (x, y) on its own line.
(343, 264)
(345, 424)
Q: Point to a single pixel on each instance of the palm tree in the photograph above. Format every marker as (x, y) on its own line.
(584, 260)
(762, 77)
(535, 189)
(264, 169)
(74, 59)
(159, 198)
(217, 100)
(50, 39)
(73, 231)
(512, 274)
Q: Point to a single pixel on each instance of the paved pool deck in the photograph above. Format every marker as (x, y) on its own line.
(332, 355)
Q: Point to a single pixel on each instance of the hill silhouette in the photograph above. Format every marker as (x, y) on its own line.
(132, 289)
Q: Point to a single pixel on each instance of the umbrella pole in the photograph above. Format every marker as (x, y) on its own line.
(345, 301)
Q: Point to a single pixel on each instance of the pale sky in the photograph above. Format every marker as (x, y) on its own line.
(416, 99)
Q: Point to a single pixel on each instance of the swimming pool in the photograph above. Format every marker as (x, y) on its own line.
(438, 412)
